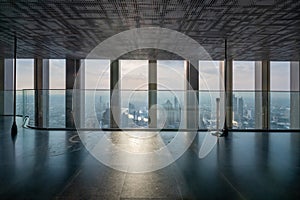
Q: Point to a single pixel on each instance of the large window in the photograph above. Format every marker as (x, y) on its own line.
(280, 96)
(25, 80)
(210, 85)
(97, 85)
(170, 97)
(243, 100)
(57, 77)
(134, 94)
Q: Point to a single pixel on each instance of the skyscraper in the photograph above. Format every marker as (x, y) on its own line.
(240, 108)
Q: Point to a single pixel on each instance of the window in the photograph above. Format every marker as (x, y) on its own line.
(25, 80)
(57, 78)
(280, 95)
(170, 97)
(97, 85)
(243, 99)
(210, 85)
(134, 94)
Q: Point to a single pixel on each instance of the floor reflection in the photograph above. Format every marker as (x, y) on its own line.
(57, 164)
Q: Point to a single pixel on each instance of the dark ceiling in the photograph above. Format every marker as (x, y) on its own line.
(255, 29)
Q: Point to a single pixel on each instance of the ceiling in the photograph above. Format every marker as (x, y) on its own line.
(254, 29)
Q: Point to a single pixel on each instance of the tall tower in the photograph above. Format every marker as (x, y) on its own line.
(241, 108)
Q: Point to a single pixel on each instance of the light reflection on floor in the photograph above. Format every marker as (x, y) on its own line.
(53, 164)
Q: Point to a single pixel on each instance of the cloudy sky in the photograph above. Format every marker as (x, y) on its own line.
(170, 74)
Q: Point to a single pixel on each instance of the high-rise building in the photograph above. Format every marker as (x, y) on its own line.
(240, 108)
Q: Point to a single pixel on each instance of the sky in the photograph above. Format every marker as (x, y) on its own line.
(24, 74)
(280, 73)
(170, 74)
(209, 75)
(57, 73)
(243, 75)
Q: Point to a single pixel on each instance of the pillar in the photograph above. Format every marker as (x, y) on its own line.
(6, 86)
(226, 70)
(115, 95)
(41, 87)
(295, 95)
(262, 95)
(75, 96)
(191, 96)
(152, 93)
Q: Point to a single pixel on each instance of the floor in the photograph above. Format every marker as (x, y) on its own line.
(56, 165)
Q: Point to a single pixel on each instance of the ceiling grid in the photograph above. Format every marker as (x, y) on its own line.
(60, 29)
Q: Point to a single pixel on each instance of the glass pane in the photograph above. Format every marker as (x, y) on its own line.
(170, 74)
(134, 103)
(97, 79)
(243, 107)
(210, 75)
(243, 75)
(243, 102)
(57, 96)
(97, 74)
(210, 79)
(134, 74)
(280, 76)
(280, 101)
(280, 110)
(24, 74)
(171, 79)
(57, 73)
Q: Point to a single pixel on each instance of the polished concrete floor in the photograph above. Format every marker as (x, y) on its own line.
(55, 165)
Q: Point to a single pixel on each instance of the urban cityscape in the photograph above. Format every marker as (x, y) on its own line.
(135, 114)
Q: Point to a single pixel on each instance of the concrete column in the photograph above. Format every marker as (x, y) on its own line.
(191, 96)
(295, 95)
(41, 98)
(115, 95)
(152, 93)
(6, 86)
(75, 100)
(226, 76)
(266, 94)
(262, 95)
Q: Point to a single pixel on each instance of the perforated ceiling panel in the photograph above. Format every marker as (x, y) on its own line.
(255, 29)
